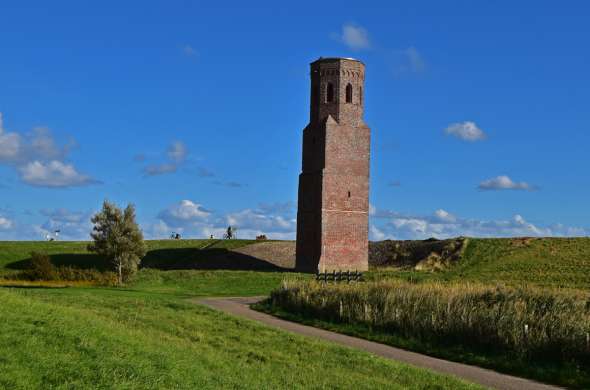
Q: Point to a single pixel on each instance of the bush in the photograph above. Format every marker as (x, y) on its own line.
(70, 274)
(41, 267)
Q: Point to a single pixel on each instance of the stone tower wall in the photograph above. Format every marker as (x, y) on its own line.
(333, 204)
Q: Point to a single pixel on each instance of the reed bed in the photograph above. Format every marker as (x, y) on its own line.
(529, 322)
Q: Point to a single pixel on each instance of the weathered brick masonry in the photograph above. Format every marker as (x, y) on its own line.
(333, 204)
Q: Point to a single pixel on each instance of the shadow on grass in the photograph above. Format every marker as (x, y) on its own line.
(74, 260)
(166, 259)
(206, 259)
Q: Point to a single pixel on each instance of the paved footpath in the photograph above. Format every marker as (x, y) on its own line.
(241, 307)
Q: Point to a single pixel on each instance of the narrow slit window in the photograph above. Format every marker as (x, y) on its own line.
(349, 93)
(361, 95)
(349, 194)
(329, 93)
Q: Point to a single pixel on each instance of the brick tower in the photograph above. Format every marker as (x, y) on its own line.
(333, 204)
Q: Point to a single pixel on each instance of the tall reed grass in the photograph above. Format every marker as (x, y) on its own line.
(529, 322)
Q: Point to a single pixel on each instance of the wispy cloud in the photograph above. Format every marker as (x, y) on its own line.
(188, 50)
(159, 169)
(504, 182)
(355, 37)
(204, 172)
(467, 131)
(408, 61)
(231, 184)
(177, 152)
(176, 155)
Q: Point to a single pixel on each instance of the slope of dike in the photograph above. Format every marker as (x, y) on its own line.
(556, 262)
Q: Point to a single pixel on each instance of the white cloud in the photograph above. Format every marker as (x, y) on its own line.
(72, 225)
(444, 216)
(355, 37)
(467, 131)
(39, 160)
(9, 144)
(185, 211)
(276, 221)
(53, 174)
(5, 223)
(257, 221)
(443, 224)
(375, 234)
(505, 183)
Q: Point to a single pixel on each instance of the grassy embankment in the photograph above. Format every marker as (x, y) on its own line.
(545, 262)
(149, 335)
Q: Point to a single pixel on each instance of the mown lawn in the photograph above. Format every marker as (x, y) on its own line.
(150, 336)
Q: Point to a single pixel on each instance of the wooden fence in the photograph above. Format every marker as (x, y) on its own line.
(339, 276)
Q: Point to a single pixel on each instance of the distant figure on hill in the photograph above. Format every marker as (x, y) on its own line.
(230, 233)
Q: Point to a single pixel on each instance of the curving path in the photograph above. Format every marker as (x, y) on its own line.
(241, 307)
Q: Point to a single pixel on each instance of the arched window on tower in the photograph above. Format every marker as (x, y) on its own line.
(349, 93)
(329, 93)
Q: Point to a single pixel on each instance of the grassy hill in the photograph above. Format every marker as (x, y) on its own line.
(164, 254)
(554, 262)
(150, 335)
(548, 262)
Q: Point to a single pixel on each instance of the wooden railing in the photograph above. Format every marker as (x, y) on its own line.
(339, 276)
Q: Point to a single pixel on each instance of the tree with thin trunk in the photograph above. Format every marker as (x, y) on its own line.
(117, 237)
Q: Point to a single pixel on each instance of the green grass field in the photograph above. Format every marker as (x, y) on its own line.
(149, 335)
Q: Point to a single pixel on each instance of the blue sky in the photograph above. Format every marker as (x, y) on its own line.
(194, 112)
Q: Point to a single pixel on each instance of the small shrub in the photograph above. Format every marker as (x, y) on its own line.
(41, 267)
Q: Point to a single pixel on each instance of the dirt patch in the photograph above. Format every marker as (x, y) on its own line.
(430, 255)
(278, 253)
